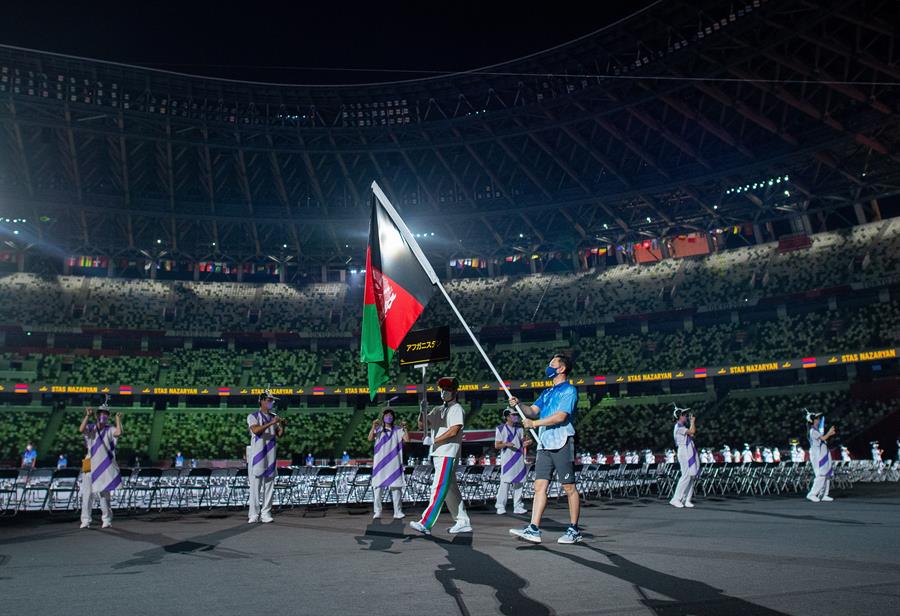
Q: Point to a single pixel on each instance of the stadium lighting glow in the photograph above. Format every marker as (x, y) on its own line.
(16, 232)
(284, 245)
(159, 241)
(353, 271)
(521, 235)
(715, 207)
(787, 193)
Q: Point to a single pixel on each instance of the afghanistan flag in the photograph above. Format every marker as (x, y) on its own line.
(397, 290)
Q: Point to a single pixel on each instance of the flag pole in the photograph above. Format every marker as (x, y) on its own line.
(432, 276)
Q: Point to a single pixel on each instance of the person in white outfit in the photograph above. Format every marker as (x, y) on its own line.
(845, 454)
(445, 427)
(776, 454)
(649, 458)
(819, 457)
(100, 472)
(767, 456)
(688, 458)
(746, 455)
(265, 429)
(670, 456)
(617, 457)
(736, 455)
(387, 463)
(510, 439)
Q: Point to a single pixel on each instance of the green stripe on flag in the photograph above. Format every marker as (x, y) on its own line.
(373, 350)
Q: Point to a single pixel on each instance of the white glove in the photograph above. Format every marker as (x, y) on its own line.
(427, 441)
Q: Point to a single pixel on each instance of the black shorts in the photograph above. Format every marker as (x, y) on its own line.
(561, 461)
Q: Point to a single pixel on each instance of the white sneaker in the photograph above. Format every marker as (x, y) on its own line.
(501, 512)
(266, 519)
(415, 525)
(689, 504)
(812, 498)
(399, 515)
(520, 511)
(677, 504)
(376, 515)
(460, 527)
(826, 499)
(253, 521)
(85, 525)
(106, 525)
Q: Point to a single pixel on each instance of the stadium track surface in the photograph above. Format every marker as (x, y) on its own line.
(727, 557)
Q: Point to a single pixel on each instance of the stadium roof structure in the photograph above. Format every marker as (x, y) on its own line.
(684, 116)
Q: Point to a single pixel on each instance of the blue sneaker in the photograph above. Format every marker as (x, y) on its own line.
(572, 535)
(530, 533)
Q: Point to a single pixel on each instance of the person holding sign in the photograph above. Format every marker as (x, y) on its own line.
(552, 413)
(445, 424)
(510, 439)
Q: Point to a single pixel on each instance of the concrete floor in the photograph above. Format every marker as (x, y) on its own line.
(726, 557)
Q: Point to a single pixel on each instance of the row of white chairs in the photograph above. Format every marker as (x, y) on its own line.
(156, 489)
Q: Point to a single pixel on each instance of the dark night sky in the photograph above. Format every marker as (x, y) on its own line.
(239, 40)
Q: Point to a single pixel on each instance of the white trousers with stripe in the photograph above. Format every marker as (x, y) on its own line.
(441, 493)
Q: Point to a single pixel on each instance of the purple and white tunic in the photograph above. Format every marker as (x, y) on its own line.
(387, 463)
(819, 456)
(101, 446)
(512, 461)
(687, 451)
(262, 446)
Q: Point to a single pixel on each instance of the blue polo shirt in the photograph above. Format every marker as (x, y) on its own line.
(28, 457)
(561, 397)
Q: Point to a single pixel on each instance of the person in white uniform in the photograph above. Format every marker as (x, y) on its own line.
(445, 427)
(100, 472)
(845, 454)
(746, 454)
(265, 429)
(767, 456)
(688, 458)
(776, 454)
(819, 457)
(510, 439)
(670, 456)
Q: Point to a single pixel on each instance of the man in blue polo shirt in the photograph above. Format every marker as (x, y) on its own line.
(553, 415)
(29, 458)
